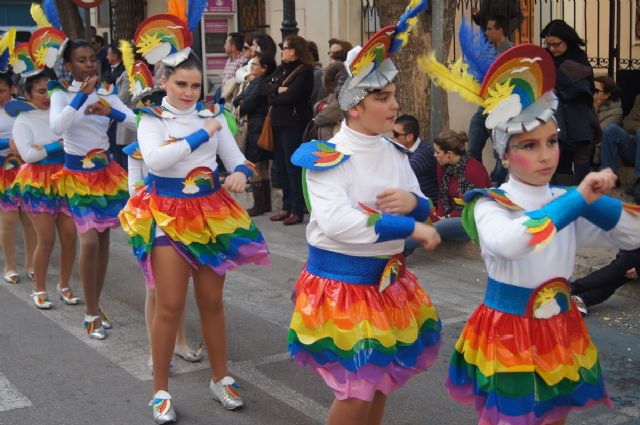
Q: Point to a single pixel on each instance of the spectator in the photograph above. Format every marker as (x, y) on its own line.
(233, 49)
(116, 68)
(318, 91)
(338, 50)
(598, 286)
(624, 141)
(496, 33)
(253, 104)
(606, 101)
(576, 117)
(457, 173)
(289, 91)
(508, 8)
(101, 53)
(329, 115)
(421, 154)
(243, 74)
(263, 43)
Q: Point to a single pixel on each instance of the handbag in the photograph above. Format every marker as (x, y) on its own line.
(265, 141)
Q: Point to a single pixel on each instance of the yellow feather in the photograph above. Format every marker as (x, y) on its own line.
(456, 79)
(496, 95)
(178, 8)
(8, 41)
(38, 16)
(128, 60)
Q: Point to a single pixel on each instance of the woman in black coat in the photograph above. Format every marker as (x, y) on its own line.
(288, 92)
(574, 87)
(253, 104)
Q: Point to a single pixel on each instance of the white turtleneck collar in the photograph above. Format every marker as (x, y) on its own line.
(175, 111)
(526, 195)
(355, 141)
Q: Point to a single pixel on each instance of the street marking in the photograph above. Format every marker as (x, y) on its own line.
(10, 397)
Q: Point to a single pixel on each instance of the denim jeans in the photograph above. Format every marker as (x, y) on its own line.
(286, 141)
(478, 135)
(450, 229)
(616, 141)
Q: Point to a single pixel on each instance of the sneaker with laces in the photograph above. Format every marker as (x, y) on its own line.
(580, 305)
(226, 391)
(162, 408)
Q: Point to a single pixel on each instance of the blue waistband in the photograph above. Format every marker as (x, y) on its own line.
(178, 187)
(91, 162)
(507, 298)
(52, 158)
(345, 268)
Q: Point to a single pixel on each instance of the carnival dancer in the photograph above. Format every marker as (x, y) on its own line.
(525, 356)
(94, 186)
(184, 222)
(42, 151)
(361, 319)
(10, 211)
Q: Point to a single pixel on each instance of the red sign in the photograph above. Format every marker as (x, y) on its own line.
(87, 4)
(216, 62)
(221, 6)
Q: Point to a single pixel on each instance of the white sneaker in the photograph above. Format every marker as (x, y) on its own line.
(162, 408)
(226, 391)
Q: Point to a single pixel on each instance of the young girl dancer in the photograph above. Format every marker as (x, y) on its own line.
(42, 151)
(525, 355)
(184, 223)
(10, 211)
(94, 186)
(361, 319)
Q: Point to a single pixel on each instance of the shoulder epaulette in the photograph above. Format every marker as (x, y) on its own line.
(496, 194)
(319, 155)
(15, 106)
(53, 85)
(209, 109)
(106, 89)
(154, 111)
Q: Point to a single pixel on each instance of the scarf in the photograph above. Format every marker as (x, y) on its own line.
(457, 171)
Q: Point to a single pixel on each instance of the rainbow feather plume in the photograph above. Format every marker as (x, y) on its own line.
(456, 79)
(195, 11)
(51, 11)
(374, 215)
(38, 16)
(478, 53)
(128, 59)
(406, 23)
(178, 8)
(7, 43)
(542, 230)
(631, 208)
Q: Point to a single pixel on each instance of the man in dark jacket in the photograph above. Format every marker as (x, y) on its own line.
(488, 8)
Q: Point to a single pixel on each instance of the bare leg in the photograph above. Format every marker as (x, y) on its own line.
(149, 310)
(67, 234)
(376, 413)
(45, 229)
(103, 261)
(181, 336)
(8, 228)
(208, 290)
(30, 240)
(171, 273)
(88, 266)
(349, 412)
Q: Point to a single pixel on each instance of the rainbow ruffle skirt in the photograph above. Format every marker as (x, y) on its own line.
(518, 368)
(202, 221)
(358, 339)
(95, 189)
(38, 191)
(8, 171)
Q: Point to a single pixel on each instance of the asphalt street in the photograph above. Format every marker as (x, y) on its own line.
(52, 373)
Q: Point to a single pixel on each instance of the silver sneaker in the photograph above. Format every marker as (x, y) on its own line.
(226, 391)
(95, 332)
(162, 408)
(580, 305)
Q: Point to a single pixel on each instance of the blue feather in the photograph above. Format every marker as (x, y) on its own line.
(51, 11)
(195, 9)
(478, 53)
(403, 24)
(4, 61)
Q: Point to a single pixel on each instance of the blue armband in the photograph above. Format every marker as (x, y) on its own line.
(4, 143)
(421, 212)
(197, 138)
(390, 227)
(245, 170)
(53, 147)
(117, 115)
(604, 213)
(78, 100)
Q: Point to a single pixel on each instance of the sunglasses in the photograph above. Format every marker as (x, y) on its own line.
(246, 47)
(283, 47)
(396, 134)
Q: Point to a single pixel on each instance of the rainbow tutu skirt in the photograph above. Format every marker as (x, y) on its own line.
(95, 189)
(358, 339)
(199, 218)
(8, 172)
(525, 357)
(36, 188)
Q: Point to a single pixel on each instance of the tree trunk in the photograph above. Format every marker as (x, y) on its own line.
(70, 18)
(413, 86)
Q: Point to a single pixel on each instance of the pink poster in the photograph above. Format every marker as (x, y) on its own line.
(221, 6)
(216, 25)
(216, 62)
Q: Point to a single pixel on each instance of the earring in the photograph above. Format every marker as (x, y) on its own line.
(505, 163)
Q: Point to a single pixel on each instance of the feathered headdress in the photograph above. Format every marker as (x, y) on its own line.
(22, 62)
(46, 15)
(7, 43)
(515, 89)
(48, 42)
(370, 67)
(166, 37)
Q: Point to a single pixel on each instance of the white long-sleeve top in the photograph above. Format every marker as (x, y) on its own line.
(505, 243)
(176, 159)
(337, 222)
(6, 127)
(31, 132)
(83, 133)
